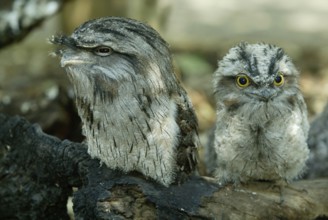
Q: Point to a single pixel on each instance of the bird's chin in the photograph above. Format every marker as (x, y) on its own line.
(263, 99)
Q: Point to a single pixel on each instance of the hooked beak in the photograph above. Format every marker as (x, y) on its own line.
(72, 61)
(71, 58)
(68, 56)
(264, 94)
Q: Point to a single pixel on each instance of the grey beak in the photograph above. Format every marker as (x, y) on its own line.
(264, 94)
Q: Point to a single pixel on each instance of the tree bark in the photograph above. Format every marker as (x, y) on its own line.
(38, 172)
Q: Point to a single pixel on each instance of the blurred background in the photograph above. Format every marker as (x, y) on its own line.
(33, 85)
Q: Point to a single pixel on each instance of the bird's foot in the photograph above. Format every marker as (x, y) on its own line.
(282, 185)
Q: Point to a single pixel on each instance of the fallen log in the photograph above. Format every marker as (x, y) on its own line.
(38, 173)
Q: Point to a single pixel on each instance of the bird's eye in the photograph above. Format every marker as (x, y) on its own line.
(103, 51)
(279, 80)
(242, 81)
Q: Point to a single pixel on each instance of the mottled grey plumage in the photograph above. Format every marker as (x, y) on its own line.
(136, 116)
(262, 125)
(318, 144)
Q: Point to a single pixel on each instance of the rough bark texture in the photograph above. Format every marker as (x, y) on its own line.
(38, 172)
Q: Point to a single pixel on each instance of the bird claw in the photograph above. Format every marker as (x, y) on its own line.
(282, 185)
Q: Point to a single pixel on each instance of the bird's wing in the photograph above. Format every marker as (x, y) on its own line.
(188, 140)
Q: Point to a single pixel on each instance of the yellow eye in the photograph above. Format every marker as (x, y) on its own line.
(279, 80)
(242, 81)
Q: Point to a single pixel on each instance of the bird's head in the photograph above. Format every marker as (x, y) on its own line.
(255, 73)
(115, 50)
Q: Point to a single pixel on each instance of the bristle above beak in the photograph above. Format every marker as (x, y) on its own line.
(62, 40)
(56, 53)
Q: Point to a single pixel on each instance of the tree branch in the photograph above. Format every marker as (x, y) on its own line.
(38, 172)
(19, 17)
